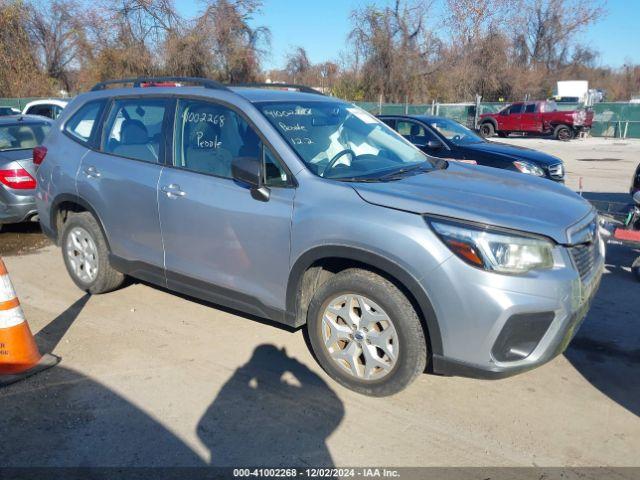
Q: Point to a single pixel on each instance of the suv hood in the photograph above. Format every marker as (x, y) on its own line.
(514, 152)
(486, 195)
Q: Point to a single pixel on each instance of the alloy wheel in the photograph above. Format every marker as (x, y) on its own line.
(82, 254)
(360, 337)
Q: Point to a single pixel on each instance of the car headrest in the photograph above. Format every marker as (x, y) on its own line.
(415, 130)
(133, 132)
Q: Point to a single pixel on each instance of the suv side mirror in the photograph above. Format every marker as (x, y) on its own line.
(248, 170)
(434, 144)
(636, 198)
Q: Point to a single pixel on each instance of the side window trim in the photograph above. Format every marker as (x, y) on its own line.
(291, 181)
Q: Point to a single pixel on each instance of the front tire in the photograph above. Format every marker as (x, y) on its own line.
(86, 255)
(486, 130)
(366, 334)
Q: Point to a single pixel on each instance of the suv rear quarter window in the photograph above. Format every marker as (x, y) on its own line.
(82, 125)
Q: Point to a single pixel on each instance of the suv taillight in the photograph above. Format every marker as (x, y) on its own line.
(38, 154)
(17, 178)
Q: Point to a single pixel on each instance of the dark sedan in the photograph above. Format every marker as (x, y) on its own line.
(446, 138)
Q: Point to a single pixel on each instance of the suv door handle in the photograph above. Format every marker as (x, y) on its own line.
(173, 191)
(92, 172)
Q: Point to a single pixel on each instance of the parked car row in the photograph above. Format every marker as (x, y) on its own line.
(308, 211)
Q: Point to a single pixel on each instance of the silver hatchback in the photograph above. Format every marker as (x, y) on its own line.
(19, 134)
(308, 211)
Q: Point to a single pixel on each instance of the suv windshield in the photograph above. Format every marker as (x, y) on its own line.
(22, 136)
(341, 141)
(454, 132)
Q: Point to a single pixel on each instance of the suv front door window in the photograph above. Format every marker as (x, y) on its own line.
(227, 246)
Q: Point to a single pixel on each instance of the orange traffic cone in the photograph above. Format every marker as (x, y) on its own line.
(19, 355)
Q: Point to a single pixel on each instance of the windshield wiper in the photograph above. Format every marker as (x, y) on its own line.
(356, 179)
(397, 174)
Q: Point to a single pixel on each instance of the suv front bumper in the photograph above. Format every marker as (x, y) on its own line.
(475, 308)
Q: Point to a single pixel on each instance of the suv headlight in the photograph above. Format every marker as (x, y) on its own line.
(493, 249)
(529, 168)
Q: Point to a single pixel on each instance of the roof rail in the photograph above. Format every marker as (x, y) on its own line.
(301, 88)
(137, 82)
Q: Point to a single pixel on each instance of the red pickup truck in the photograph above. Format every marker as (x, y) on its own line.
(541, 117)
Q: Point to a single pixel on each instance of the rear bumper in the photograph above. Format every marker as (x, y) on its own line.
(16, 205)
(16, 213)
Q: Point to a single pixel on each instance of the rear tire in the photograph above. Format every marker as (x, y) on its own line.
(379, 347)
(563, 133)
(86, 255)
(486, 130)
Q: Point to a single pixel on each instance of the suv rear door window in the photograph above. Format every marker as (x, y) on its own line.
(530, 108)
(209, 136)
(134, 129)
(82, 125)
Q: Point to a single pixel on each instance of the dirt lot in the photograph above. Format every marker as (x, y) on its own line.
(154, 379)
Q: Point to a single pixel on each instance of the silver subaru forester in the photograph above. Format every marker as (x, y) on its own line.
(308, 211)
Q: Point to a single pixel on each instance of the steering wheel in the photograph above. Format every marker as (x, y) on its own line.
(334, 160)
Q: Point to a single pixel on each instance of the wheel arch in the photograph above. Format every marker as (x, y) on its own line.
(490, 120)
(82, 205)
(304, 275)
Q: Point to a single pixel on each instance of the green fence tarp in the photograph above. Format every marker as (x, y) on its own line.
(18, 103)
(611, 119)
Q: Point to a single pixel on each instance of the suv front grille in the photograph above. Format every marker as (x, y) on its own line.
(585, 258)
(556, 171)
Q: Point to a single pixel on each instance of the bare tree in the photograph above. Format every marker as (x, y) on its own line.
(56, 29)
(551, 28)
(471, 20)
(19, 71)
(298, 65)
(236, 46)
(392, 48)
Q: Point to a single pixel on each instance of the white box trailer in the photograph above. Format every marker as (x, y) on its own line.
(573, 89)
